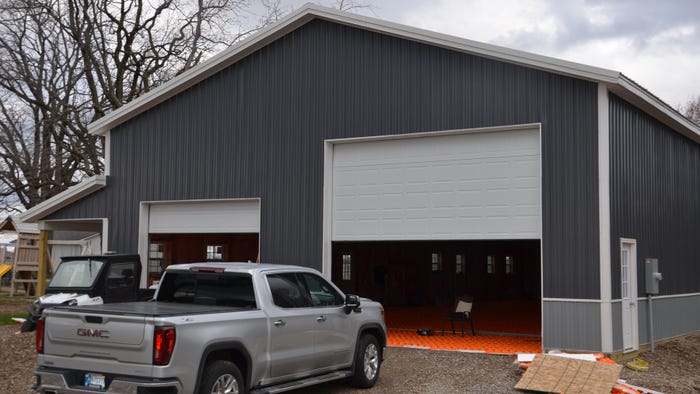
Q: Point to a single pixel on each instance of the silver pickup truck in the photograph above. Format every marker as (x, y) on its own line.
(214, 328)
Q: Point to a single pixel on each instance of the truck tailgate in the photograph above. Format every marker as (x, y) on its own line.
(120, 332)
(116, 337)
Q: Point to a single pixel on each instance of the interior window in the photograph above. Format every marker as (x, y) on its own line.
(321, 292)
(287, 292)
(215, 252)
(347, 267)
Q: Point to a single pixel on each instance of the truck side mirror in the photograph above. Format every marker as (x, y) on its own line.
(352, 303)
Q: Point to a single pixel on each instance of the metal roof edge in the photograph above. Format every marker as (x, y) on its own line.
(616, 81)
(309, 12)
(62, 199)
(654, 106)
(201, 71)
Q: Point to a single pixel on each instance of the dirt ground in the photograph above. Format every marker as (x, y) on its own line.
(673, 368)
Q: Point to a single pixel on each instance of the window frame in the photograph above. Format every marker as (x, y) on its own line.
(436, 262)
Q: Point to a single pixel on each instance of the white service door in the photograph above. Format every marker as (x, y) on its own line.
(482, 185)
(628, 276)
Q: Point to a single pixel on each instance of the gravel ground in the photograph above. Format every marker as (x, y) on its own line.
(673, 368)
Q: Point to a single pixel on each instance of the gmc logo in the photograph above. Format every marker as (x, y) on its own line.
(89, 332)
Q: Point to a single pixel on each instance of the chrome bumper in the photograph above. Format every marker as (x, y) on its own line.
(55, 381)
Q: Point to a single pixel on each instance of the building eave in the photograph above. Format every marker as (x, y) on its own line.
(614, 80)
(63, 199)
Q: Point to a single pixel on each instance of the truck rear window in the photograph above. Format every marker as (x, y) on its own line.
(221, 289)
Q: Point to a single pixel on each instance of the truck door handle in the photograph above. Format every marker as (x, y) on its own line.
(279, 323)
(321, 319)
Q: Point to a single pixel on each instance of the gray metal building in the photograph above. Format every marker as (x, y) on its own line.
(333, 140)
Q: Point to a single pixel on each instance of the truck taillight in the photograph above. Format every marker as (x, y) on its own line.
(39, 335)
(163, 345)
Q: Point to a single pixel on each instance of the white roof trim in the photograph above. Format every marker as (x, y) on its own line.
(615, 81)
(66, 197)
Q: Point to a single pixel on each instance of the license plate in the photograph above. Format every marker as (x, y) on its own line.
(94, 381)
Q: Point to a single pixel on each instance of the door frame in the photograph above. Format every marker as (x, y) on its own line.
(631, 246)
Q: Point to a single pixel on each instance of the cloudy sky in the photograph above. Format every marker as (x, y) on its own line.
(656, 43)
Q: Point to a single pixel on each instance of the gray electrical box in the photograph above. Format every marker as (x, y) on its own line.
(652, 275)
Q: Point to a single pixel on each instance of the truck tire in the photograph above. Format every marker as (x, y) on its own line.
(221, 377)
(367, 362)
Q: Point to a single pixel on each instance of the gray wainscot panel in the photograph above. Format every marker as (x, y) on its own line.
(571, 325)
(671, 318)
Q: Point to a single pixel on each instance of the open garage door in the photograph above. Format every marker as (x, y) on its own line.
(417, 221)
(457, 186)
(192, 231)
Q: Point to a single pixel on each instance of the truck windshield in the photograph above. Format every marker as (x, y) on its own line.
(221, 289)
(77, 273)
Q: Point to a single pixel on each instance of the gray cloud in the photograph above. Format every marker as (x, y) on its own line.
(635, 20)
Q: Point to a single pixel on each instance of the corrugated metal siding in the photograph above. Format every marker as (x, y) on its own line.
(671, 318)
(257, 129)
(571, 325)
(654, 189)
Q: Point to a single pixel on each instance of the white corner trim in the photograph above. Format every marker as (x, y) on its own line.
(606, 325)
(142, 242)
(327, 253)
(105, 235)
(66, 197)
(578, 300)
(108, 152)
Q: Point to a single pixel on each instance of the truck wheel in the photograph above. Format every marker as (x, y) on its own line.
(367, 363)
(222, 377)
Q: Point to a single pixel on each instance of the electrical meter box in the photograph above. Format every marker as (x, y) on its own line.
(652, 275)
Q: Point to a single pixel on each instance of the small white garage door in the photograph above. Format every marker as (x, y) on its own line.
(236, 216)
(483, 185)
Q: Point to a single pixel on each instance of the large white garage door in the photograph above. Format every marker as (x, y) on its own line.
(483, 185)
(238, 216)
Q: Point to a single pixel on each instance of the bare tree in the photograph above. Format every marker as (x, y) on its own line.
(65, 63)
(691, 110)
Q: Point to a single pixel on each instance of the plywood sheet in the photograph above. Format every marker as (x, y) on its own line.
(564, 375)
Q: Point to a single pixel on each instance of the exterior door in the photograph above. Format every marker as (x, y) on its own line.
(628, 271)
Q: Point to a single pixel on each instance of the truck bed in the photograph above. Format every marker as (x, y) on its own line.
(150, 309)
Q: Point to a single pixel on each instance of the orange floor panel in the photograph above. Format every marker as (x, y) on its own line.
(501, 344)
(505, 327)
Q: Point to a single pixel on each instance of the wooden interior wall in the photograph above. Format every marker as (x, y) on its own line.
(190, 248)
(399, 273)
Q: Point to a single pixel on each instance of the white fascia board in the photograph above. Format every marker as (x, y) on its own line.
(66, 197)
(546, 63)
(309, 12)
(648, 102)
(616, 81)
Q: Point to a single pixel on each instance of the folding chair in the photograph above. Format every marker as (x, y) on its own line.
(462, 312)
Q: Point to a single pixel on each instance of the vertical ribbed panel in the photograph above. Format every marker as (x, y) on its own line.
(654, 188)
(571, 325)
(257, 128)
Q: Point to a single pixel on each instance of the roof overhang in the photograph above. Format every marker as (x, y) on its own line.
(66, 197)
(614, 80)
(11, 226)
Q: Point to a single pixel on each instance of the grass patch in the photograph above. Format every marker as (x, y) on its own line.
(6, 318)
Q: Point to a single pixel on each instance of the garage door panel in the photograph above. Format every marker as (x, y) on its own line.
(469, 186)
(240, 216)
